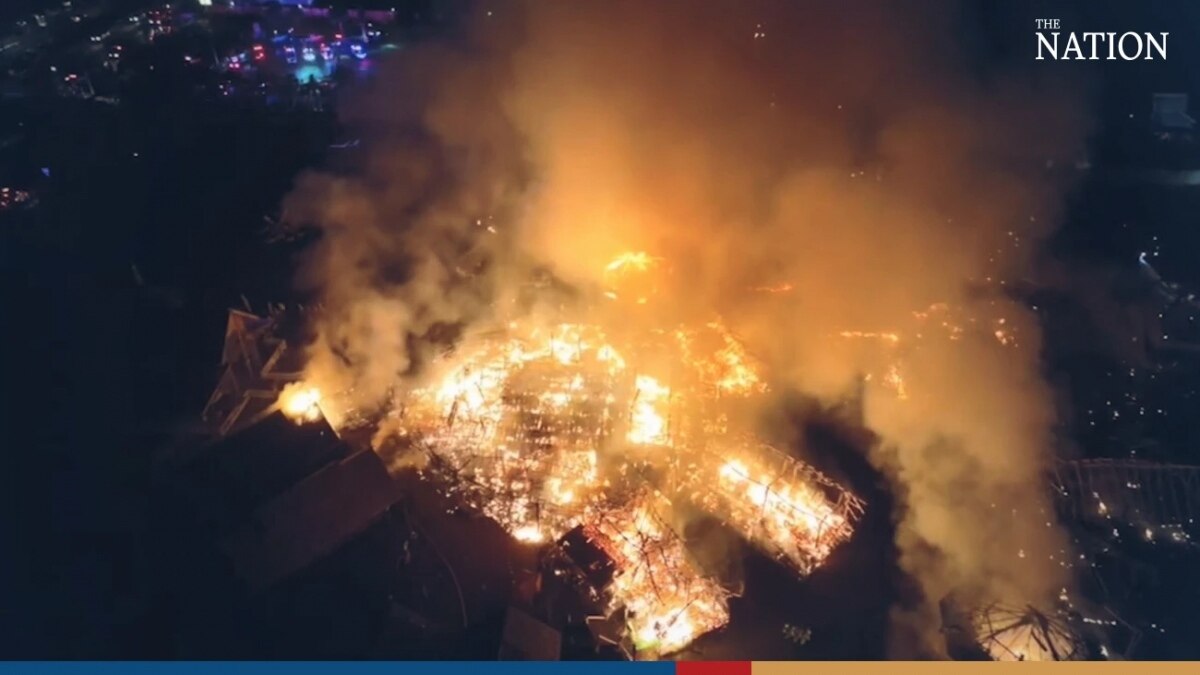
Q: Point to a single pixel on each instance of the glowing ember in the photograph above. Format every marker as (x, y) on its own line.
(777, 288)
(1004, 334)
(300, 402)
(886, 337)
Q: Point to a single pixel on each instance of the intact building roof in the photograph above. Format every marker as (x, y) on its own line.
(311, 520)
(242, 471)
(527, 639)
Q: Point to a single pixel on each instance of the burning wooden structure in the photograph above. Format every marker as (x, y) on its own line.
(784, 507)
(555, 428)
(603, 432)
(666, 598)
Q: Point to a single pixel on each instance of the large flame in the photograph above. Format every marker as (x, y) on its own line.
(648, 423)
(668, 600)
(301, 402)
(545, 427)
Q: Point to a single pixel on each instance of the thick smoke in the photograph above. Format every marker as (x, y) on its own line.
(846, 152)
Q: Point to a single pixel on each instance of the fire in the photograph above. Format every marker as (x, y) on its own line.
(668, 601)
(775, 289)
(543, 429)
(736, 374)
(943, 320)
(778, 504)
(636, 260)
(517, 420)
(726, 365)
(648, 424)
(892, 338)
(529, 534)
(300, 402)
(894, 380)
(633, 276)
(546, 428)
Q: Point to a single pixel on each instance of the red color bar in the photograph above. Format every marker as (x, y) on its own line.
(712, 668)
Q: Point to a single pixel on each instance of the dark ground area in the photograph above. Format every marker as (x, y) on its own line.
(178, 189)
(101, 373)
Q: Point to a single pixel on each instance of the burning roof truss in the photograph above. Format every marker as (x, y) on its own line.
(251, 374)
(556, 429)
(781, 505)
(667, 599)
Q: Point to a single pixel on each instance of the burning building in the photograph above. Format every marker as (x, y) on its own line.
(781, 505)
(666, 599)
(555, 427)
